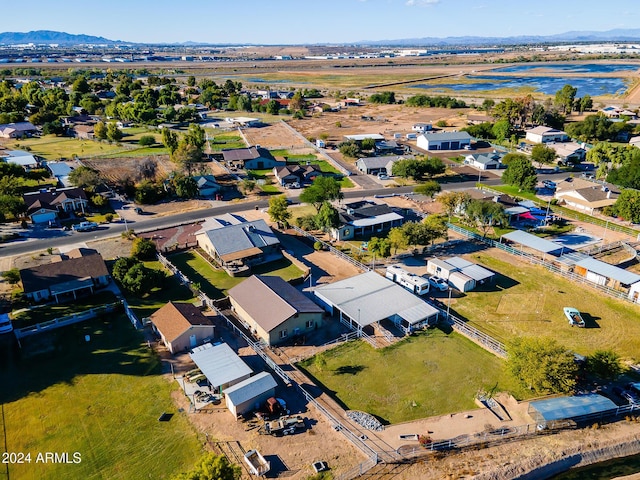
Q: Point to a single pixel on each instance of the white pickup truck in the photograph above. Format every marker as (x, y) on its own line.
(85, 227)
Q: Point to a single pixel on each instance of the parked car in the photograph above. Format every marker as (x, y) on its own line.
(438, 283)
(383, 176)
(292, 185)
(85, 227)
(549, 184)
(630, 396)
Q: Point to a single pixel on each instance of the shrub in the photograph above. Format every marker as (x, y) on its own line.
(146, 140)
(109, 217)
(317, 245)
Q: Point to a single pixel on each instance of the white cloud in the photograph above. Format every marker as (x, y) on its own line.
(421, 3)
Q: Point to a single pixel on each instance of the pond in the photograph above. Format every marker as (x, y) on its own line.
(546, 85)
(572, 68)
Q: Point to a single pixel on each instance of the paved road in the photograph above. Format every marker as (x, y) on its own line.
(41, 239)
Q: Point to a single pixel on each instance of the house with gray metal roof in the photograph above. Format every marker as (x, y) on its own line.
(459, 272)
(376, 165)
(486, 161)
(249, 394)
(273, 310)
(443, 140)
(238, 247)
(369, 298)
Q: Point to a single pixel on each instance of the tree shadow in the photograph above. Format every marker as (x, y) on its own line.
(349, 369)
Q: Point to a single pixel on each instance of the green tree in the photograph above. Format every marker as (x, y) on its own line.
(327, 217)
(191, 81)
(113, 132)
(380, 247)
(170, 140)
(297, 102)
(565, 97)
(323, 189)
(100, 131)
(487, 104)
(350, 149)
(148, 192)
(383, 97)
(184, 186)
(454, 202)
(122, 266)
(212, 467)
(542, 154)
(11, 205)
(501, 130)
(484, 214)
(143, 249)
(140, 280)
(429, 188)
(627, 205)
(436, 227)
(521, 173)
(195, 136)
(85, 177)
(185, 156)
(542, 365)
(368, 144)
(279, 211)
(398, 239)
(11, 276)
(272, 107)
(586, 103)
(80, 85)
(147, 140)
(604, 364)
(247, 185)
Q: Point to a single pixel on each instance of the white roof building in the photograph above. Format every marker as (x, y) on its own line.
(220, 364)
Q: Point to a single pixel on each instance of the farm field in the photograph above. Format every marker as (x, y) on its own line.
(101, 398)
(528, 300)
(408, 380)
(216, 282)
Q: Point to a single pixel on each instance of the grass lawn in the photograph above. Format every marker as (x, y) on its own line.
(100, 398)
(226, 140)
(45, 313)
(215, 282)
(52, 147)
(172, 290)
(528, 301)
(406, 381)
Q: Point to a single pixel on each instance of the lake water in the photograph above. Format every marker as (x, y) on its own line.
(604, 471)
(572, 68)
(546, 85)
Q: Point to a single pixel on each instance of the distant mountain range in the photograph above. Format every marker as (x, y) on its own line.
(617, 35)
(48, 37)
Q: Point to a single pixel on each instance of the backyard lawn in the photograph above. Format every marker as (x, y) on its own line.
(528, 301)
(431, 373)
(101, 398)
(52, 147)
(221, 141)
(215, 282)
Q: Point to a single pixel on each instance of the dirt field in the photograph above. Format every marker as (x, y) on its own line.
(118, 169)
(274, 136)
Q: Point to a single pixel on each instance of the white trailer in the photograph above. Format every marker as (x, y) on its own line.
(256, 462)
(412, 282)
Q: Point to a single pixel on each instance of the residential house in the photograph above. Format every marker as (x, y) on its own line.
(84, 132)
(478, 118)
(181, 326)
(80, 271)
(635, 141)
(387, 147)
(486, 161)
(585, 195)
(376, 165)
(443, 140)
(17, 130)
(45, 205)
(237, 247)
(273, 310)
(207, 185)
(364, 217)
(615, 112)
(542, 134)
(568, 152)
(296, 173)
(421, 127)
(252, 158)
(19, 157)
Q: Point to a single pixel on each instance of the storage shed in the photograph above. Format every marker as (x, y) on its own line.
(461, 282)
(441, 268)
(250, 393)
(567, 408)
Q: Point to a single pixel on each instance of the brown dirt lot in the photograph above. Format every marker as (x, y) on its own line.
(118, 169)
(273, 137)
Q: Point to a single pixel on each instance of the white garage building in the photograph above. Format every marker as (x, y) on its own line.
(250, 393)
(444, 140)
(368, 298)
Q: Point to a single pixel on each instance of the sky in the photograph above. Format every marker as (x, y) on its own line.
(277, 22)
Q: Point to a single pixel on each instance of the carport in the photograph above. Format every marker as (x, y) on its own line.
(369, 298)
(552, 410)
(220, 364)
(534, 243)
